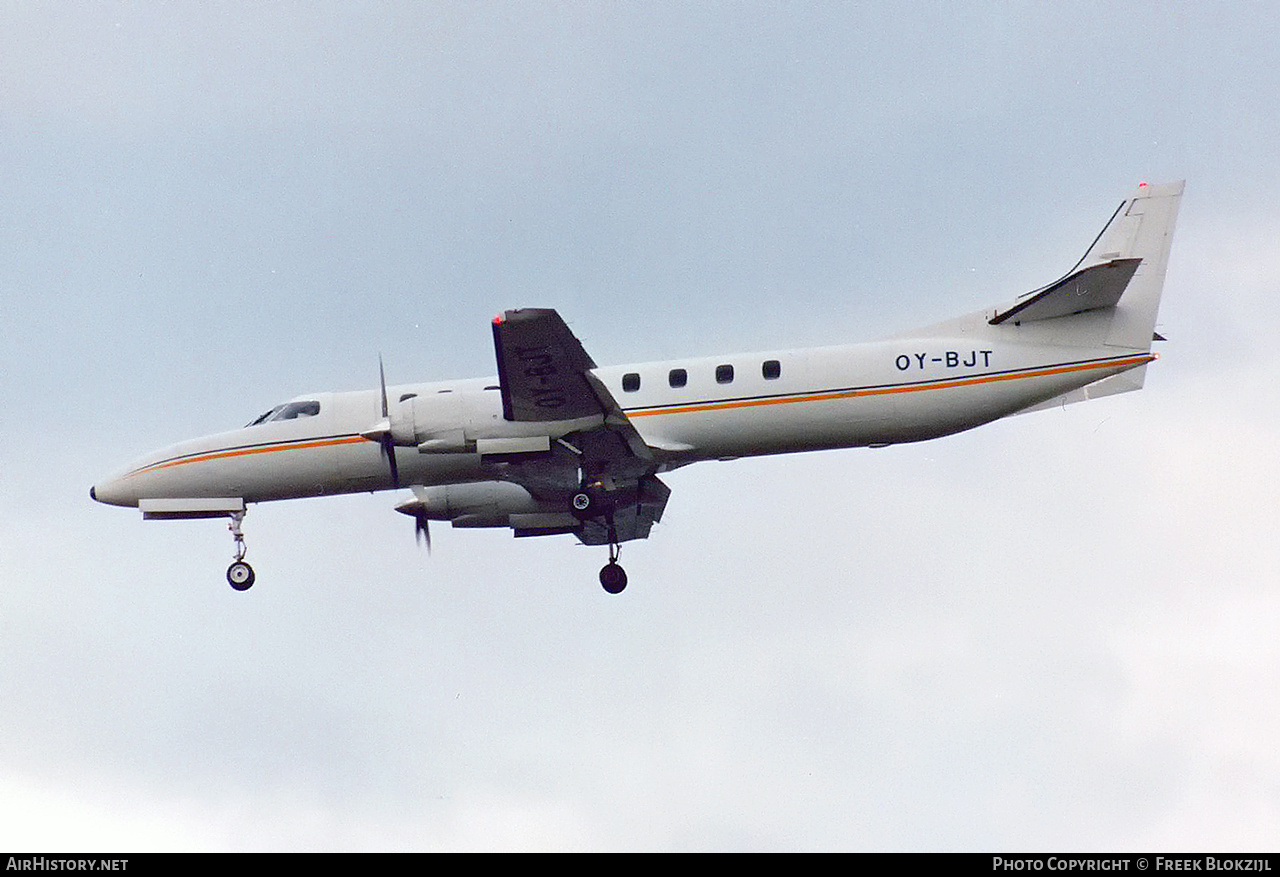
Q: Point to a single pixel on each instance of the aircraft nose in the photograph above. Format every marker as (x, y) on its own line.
(112, 491)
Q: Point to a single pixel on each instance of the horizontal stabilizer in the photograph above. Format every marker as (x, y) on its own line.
(1098, 286)
(1121, 383)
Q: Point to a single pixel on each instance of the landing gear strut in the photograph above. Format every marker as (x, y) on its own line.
(612, 576)
(239, 575)
(592, 501)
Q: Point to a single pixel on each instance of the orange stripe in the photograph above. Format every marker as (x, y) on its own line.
(241, 452)
(884, 391)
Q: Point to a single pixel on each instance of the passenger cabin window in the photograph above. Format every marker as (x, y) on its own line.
(630, 382)
(771, 369)
(724, 374)
(677, 377)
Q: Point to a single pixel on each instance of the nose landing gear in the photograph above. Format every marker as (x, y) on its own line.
(239, 575)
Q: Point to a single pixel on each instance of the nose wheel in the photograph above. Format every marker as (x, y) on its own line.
(239, 575)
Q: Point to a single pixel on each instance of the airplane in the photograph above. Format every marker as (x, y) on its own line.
(555, 444)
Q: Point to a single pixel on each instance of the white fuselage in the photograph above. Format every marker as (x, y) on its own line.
(555, 445)
(879, 393)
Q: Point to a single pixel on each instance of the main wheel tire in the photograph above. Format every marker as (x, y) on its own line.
(240, 576)
(613, 578)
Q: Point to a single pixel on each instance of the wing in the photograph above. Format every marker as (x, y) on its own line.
(545, 376)
(542, 368)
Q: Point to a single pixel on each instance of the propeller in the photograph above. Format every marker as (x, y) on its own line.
(385, 440)
(382, 434)
(416, 508)
(421, 529)
(422, 532)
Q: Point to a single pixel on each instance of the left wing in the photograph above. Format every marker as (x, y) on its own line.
(545, 376)
(542, 368)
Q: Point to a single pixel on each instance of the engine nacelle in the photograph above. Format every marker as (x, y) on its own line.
(438, 417)
(471, 422)
(486, 504)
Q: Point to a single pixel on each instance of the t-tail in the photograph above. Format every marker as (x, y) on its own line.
(1107, 303)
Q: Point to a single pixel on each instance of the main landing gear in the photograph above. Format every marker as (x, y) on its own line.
(592, 502)
(239, 575)
(612, 576)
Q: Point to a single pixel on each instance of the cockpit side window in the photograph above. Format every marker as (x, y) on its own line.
(263, 418)
(289, 411)
(295, 410)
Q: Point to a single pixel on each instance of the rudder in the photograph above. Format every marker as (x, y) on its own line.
(1142, 229)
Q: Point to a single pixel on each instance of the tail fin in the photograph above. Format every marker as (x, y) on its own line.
(1107, 302)
(1121, 278)
(1146, 233)
(1123, 272)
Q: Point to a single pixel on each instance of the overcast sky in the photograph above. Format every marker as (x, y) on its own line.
(1057, 632)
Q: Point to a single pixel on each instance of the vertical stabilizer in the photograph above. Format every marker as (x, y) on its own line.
(1141, 229)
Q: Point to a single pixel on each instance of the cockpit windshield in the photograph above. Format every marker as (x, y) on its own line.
(288, 411)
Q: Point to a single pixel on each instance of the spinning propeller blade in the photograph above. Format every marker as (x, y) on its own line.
(421, 531)
(388, 445)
